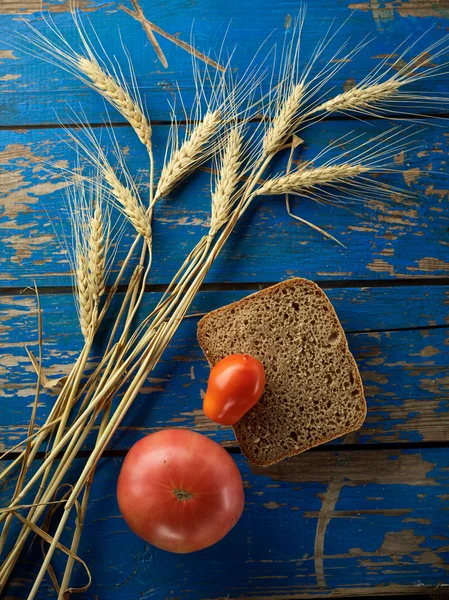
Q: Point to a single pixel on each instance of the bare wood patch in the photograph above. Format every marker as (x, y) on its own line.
(408, 469)
(413, 8)
(329, 500)
(23, 7)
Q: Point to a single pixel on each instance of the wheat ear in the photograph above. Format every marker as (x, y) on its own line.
(284, 121)
(375, 89)
(227, 182)
(125, 197)
(97, 255)
(109, 82)
(306, 179)
(361, 98)
(185, 158)
(128, 201)
(84, 295)
(117, 96)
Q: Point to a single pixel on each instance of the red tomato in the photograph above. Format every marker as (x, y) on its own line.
(235, 385)
(180, 491)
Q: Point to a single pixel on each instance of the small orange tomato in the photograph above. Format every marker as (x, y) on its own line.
(235, 385)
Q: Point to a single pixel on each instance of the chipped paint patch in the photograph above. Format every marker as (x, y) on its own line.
(429, 351)
(374, 376)
(411, 175)
(434, 386)
(362, 229)
(398, 544)
(381, 266)
(271, 505)
(201, 422)
(7, 54)
(28, 7)
(10, 77)
(399, 158)
(349, 84)
(432, 191)
(430, 264)
(329, 500)
(351, 468)
(419, 520)
(382, 13)
(23, 246)
(19, 162)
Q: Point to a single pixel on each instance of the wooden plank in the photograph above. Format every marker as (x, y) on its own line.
(33, 89)
(324, 524)
(404, 370)
(389, 239)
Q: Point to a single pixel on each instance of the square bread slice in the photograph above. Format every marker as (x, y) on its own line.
(313, 391)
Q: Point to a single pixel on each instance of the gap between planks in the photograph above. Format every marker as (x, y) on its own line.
(250, 286)
(163, 123)
(234, 449)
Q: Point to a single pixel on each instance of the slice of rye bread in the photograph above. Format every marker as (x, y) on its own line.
(313, 391)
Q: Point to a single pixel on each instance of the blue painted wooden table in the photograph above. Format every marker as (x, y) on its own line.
(366, 515)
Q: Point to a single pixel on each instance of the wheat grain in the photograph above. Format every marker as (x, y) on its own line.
(284, 121)
(227, 181)
(309, 178)
(84, 295)
(97, 254)
(185, 158)
(117, 96)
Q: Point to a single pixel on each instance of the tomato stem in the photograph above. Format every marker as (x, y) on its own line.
(182, 495)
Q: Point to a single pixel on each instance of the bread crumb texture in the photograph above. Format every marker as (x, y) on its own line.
(313, 391)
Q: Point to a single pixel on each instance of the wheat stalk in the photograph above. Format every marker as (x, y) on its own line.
(186, 158)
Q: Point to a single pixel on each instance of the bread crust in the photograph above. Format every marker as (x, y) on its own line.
(209, 326)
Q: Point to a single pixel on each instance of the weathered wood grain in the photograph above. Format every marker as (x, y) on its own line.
(387, 239)
(402, 357)
(358, 522)
(32, 89)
